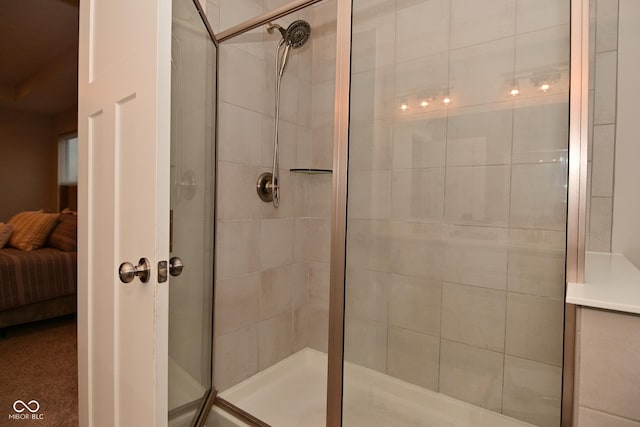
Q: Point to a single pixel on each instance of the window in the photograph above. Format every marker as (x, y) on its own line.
(68, 160)
(68, 172)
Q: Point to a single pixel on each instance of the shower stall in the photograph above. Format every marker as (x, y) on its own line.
(390, 200)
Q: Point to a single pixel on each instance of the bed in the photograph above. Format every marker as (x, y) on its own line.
(36, 285)
(41, 283)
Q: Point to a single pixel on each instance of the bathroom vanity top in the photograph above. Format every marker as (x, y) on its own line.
(611, 282)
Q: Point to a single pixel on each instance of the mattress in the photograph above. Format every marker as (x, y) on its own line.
(39, 275)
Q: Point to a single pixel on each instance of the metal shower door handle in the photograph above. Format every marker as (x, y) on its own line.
(128, 271)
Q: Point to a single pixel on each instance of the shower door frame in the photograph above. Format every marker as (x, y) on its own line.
(576, 198)
(209, 397)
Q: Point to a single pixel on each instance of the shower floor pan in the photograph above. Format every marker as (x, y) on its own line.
(292, 393)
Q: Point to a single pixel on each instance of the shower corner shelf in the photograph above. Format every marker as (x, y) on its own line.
(309, 171)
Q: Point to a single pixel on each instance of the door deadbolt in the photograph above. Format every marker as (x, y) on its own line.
(175, 266)
(128, 271)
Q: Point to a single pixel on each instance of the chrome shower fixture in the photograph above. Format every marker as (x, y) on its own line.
(293, 37)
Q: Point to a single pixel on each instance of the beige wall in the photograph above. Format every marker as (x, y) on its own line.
(27, 163)
(626, 218)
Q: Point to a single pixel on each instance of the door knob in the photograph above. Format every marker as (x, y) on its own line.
(128, 271)
(175, 266)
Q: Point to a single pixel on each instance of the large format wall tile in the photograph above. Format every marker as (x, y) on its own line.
(415, 304)
(236, 191)
(370, 145)
(534, 15)
(543, 56)
(474, 316)
(478, 195)
(477, 22)
(538, 196)
(367, 294)
(605, 88)
(600, 223)
(275, 339)
(237, 302)
(236, 357)
(482, 73)
(311, 328)
(416, 249)
(422, 28)
(417, 194)
(424, 77)
(603, 161)
(532, 391)
(607, 25)
(245, 142)
(276, 242)
(240, 75)
(370, 194)
(365, 343)
(413, 357)
(540, 132)
(368, 244)
(372, 94)
(373, 32)
(420, 141)
(471, 374)
(534, 328)
(238, 247)
(476, 256)
(277, 289)
(536, 271)
(480, 136)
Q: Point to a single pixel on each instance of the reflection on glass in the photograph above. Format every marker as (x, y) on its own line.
(193, 73)
(457, 213)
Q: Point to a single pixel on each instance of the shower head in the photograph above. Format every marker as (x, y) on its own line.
(295, 35)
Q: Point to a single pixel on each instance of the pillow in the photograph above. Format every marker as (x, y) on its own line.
(64, 235)
(31, 229)
(5, 234)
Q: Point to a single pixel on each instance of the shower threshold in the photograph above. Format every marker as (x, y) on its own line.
(292, 393)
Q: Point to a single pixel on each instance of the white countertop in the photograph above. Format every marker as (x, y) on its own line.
(611, 282)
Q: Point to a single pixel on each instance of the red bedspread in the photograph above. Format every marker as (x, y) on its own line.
(39, 275)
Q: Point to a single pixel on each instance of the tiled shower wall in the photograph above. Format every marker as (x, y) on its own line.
(456, 231)
(603, 66)
(272, 264)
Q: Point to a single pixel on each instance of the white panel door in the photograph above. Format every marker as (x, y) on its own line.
(124, 148)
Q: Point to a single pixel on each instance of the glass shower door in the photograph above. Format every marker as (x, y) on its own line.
(456, 213)
(193, 91)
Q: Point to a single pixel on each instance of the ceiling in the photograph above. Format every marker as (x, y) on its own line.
(39, 54)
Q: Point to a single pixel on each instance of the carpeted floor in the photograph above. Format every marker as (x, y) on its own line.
(38, 362)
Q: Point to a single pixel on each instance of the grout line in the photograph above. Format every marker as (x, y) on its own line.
(608, 413)
(615, 133)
